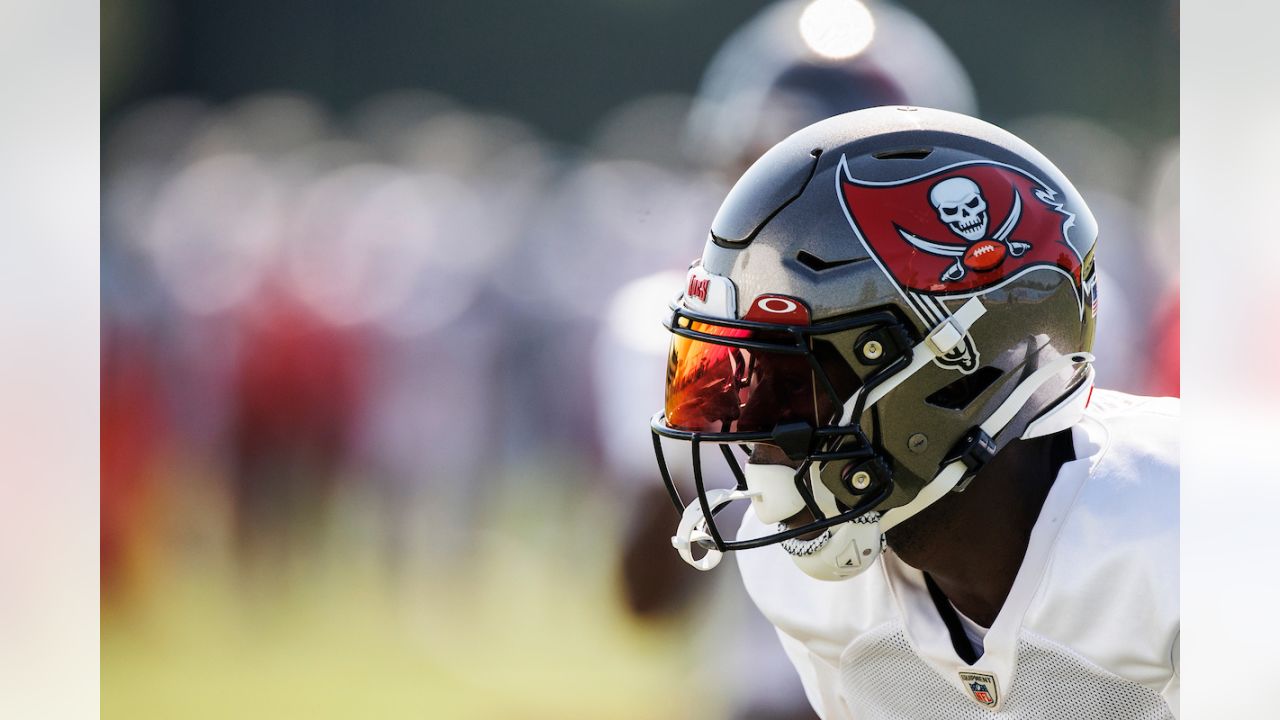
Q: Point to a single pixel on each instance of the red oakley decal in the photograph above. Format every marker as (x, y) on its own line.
(778, 309)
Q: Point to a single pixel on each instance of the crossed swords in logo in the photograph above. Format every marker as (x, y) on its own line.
(957, 271)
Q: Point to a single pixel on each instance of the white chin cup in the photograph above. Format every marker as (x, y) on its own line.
(851, 548)
(776, 498)
(842, 551)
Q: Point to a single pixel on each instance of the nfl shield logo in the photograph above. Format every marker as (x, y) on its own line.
(981, 686)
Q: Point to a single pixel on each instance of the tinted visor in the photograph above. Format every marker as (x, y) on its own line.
(722, 388)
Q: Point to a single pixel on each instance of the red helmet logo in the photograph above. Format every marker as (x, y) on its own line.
(960, 231)
(963, 229)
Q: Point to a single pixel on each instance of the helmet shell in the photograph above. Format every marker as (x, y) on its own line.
(786, 229)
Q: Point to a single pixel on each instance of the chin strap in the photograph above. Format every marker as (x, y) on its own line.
(951, 475)
(940, 341)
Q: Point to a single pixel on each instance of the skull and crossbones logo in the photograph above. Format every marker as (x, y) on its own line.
(961, 206)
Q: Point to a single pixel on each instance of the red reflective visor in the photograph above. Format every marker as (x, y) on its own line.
(721, 388)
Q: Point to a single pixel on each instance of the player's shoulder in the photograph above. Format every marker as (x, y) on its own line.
(1129, 445)
(1110, 590)
(1135, 464)
(1137, 423)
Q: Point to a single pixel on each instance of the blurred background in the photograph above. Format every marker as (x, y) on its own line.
(380, 292)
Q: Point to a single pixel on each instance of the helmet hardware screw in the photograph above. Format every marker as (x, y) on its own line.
(872, 350)
(918, 442)
(860, 480)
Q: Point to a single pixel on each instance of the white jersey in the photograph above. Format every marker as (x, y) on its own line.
(1089, 630)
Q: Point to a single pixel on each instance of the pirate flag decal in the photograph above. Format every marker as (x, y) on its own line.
(960, 231)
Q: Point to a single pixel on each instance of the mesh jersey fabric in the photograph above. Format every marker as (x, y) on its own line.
(884, 679)
(1089, 629)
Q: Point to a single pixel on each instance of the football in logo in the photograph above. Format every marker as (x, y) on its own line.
(984, 255)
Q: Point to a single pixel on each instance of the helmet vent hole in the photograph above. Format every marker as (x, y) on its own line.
(817, 264)
(957, 395)
(903, 154)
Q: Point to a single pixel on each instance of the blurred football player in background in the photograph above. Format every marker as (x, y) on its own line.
(1163, 252)
(297, 392)
(795, 63)
(800, 61)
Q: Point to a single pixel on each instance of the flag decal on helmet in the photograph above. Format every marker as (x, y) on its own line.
(959, 231)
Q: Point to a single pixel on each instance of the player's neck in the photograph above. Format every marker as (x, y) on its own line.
(977, 539)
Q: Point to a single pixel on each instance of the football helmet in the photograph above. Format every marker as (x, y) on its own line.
(799, 61)
(889, 296)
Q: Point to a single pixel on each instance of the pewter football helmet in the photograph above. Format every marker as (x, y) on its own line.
(890, 296)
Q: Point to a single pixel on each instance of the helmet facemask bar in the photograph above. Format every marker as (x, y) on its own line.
(837, 438)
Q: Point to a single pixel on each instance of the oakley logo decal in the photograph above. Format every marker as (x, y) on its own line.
(778, 309)
(776, 305)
